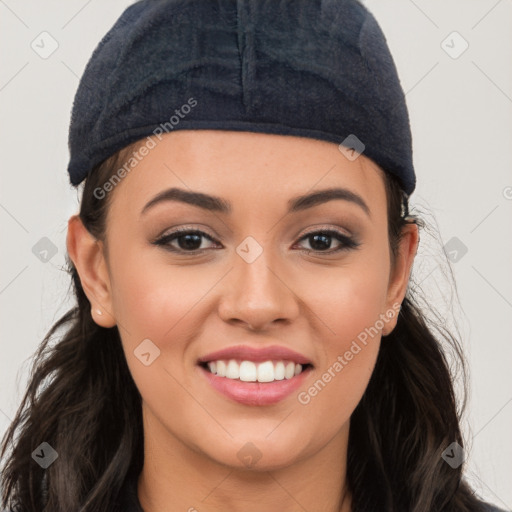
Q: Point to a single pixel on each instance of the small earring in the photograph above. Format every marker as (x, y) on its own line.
(99, 312)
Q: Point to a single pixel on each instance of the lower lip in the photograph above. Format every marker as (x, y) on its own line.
(256, 393)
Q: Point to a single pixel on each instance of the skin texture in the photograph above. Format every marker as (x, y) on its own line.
(189, 305)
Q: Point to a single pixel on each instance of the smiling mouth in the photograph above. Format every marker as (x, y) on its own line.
(250, 371)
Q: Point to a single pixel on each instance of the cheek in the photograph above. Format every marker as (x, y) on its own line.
(160, 303)
(152, 300)
(353, 301)
(349, 298)
(349, 302)
(347, 362)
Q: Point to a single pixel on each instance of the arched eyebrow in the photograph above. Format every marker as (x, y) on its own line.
(219, 205)
(305, 201)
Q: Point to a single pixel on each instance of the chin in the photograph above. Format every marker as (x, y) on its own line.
(257, 452)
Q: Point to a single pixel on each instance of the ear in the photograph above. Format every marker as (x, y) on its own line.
(399, 278)
(87, 254)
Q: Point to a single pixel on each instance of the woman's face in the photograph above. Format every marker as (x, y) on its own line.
(256, 277)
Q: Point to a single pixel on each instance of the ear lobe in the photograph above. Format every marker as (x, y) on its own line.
(87, 255)
(399, 279)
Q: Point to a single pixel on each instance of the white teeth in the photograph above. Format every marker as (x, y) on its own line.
(221, 368)
(265, 371)
(233, 370)
(289, 370)
(279, 371)
(249, 371)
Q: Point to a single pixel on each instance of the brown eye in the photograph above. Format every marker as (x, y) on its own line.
(320, 241)
(187, 240)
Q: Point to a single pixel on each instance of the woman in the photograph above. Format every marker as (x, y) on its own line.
(244, 336)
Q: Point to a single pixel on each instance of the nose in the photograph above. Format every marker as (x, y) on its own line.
(258, 294)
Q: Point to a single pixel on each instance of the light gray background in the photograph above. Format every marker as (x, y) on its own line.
(461, 116)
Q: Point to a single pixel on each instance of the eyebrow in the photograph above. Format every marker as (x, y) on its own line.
(216, 204)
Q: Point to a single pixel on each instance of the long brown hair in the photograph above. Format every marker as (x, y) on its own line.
(82, 401)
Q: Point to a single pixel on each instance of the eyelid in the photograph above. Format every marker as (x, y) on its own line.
(327, 227)
(317, 227)
(185, 229)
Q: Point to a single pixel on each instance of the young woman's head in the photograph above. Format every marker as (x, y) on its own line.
(244, 329)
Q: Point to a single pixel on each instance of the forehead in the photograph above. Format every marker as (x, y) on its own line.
(244, 166)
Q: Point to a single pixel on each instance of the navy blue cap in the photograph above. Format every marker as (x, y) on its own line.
(312, 68)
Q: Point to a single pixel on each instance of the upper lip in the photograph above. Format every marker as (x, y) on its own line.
(248, 353)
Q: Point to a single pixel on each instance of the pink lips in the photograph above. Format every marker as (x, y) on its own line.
(255, 393)
(245, 352)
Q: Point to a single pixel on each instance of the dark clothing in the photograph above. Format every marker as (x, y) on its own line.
(129, 501)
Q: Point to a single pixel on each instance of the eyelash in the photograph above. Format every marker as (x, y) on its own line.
(347, 243)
